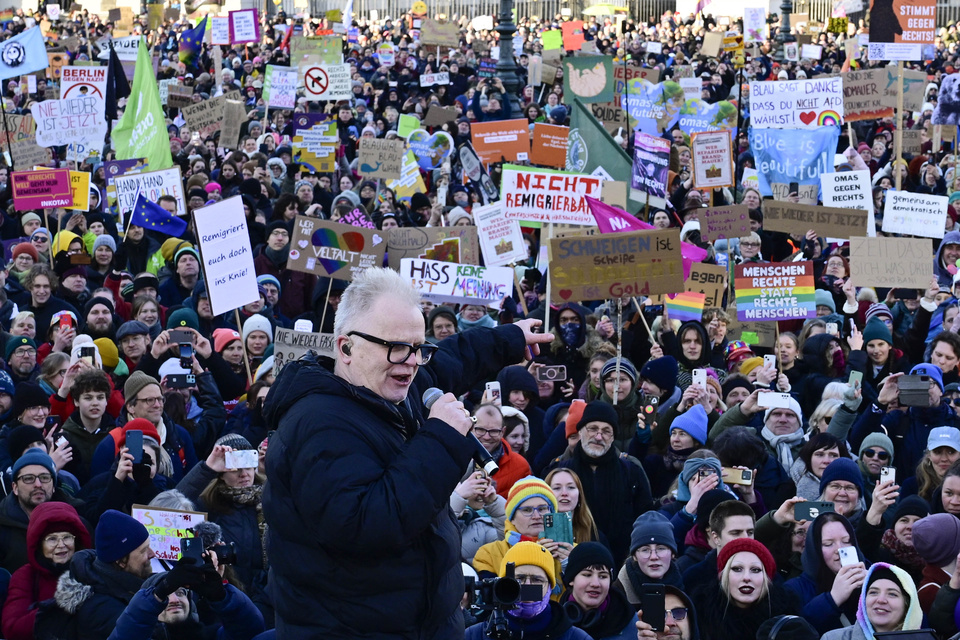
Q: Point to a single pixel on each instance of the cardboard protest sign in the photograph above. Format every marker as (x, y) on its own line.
(61, 122)
(850, 190)
(457, 283)
(793, 155)
(329, 48)
(179, 96)
(41, 189)
(913, 85)
(589, 78)
(758, 334)
(152, 185)
(912, 140)
(501, 240)
(410, 181)
(500, 140)
(227, 256)
(315, 141)
(712, 41)
(326, 82)
(865, 96)
(205, 116)
(233, 116)
(613, 118)
(651, 164)
(289, 345)
(380, 158)
(280, 86)
(166, 527)
(724, 222)
(712, 159)
(900, 29)
(710, 280)
(432, 79)
(17, 128)
(445, 244)
(27, 153)
(439, 33)
(244, 26)
(795, 218)
(550, 143)
(334, 250)
(891, 262)
(542, 195)
(437, 115)
(914, 214)
(358, 217)
(775, 291)
(796, 104)
(615, 265)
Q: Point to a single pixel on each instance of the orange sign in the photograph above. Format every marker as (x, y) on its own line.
(501, 140)
(550, 143)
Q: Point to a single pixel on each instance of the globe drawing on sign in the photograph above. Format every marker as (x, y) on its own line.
(13, 54)
(576, 151)
(587, 82)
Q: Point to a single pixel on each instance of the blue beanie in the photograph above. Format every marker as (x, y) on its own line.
(661, 372)
(690, 468)
(824, 299)
(652, 528)
(843, 469)
(927, 369)
(6, 383)
(269, 279)
(34, 456)
(626, 367)
(694, 422)
(118, 535)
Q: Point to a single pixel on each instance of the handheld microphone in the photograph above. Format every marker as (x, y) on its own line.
(480, 455)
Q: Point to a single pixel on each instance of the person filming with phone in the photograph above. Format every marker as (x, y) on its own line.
(362, 541)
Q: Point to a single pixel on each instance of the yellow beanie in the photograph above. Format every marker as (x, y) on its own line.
(750, 364)
(108, 352)
(529, 487)
(170, 247)
(530, 554)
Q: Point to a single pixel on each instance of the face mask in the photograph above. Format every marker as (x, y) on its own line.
(569, 333)
(839, 362)
(528, 610)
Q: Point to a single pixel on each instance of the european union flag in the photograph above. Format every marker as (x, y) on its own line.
(191, 41)
(150, 215)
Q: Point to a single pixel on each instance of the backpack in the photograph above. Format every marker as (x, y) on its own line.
(54, 623)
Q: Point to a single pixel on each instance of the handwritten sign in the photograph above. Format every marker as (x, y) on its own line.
(179, 96)
(289, 345)
(457, 283)
(431, 79)
(380, 158)
(18, 128)
(710, 280)
(445, 244)
(233, 117)
(865, 96)
(914, 214)
(501, 240)
(775, 291)
(166, 527)
(615, 265)
(796, 104)
(280, 86)
(439, 33)
(891, 262)
(152, 185)
(244, 26)
(799, 218)
(712, 159)
(205, 116)
(850, 190)
(227, 257)
(335, 250)
(42, 189)
(27, 153)
(72, 120)
(219, 30)
(541, 195)
(724, 222)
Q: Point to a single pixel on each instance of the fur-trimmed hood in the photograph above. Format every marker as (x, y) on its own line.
(89, 577)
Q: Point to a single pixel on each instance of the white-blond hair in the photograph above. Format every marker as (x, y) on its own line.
(363, 293)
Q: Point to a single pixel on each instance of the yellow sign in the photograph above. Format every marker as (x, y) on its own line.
(334, 15)
(80, 186)
(419, 8)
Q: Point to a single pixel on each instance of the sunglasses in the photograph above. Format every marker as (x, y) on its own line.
(953, 401)
(873, 453)
(678, 614)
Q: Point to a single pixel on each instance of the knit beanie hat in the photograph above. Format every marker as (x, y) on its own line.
(266, 366)
(269, 279)
(83, 340)
(652, 527)
(875, 329)
(301, 183)
(573, 417)
(709, 502)
(737, 350)
(34, 456)
(235, 441)
(30, 216)
(911, 506)
(937, 538)
(457, 213)
(27, 248)
(842, 469)
(661, 372)
(223, 337)
(751, 546)
(693, 422)
(530, 554)
(257, 322)
(135, 384)
(14, 343)
(749, 364)
(184, 318)
(734, 383)
(28, 394)
(794, 406)
(626, 367)
(109, 355)
(185, 251)
(598, 411)
(877, 440)
(6, 383)
(825, 299)
(690, 468)
(927, 369)
(877, 310)
(138, 424)
(584, 556)
(118, 535)
(22, 437)
(104, 240)
(94, 301)
(526, 488)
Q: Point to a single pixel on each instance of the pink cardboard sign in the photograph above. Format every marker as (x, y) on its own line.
(42, 189)
(244, 26)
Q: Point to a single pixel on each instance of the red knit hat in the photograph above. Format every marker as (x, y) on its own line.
(25, 247)
(138, 424)
(750, 545)
(223, 337)
(573, 416)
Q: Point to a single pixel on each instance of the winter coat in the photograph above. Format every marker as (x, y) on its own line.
(632, 589)
(617, 620)
(810, 391)
(944, 277)
(178, 444)
(862, 628)
(84, 443)
(558, 626)
(381, 528)
(295, 287)
(519, 379)
(720, 620)
(512, 467)
(478, 529)
(14, 551)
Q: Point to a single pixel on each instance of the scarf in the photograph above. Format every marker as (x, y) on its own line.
(485, 321)
(606, 487)
(277, 258)
(530, 610)
(673, 460)
(906, 555)
(781, 444)
(627, 411)
(250, 497)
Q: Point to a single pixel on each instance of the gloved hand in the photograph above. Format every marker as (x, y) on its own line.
(852, 398)
(186, 573)
(211, 588)
(141, 472)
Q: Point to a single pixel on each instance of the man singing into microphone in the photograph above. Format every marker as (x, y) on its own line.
(362, 542)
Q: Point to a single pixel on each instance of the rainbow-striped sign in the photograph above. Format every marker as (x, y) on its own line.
(686, 306)
(775, 291)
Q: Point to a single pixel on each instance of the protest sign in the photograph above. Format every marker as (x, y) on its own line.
(651, 164)
(487, 68)
(865, 96)
(126, 48)
(692, 88)
(589, 78)
(754, 24)
(358, 217)
(437, 115)
(219, 30)
(41, 189)
(850, 190)
(775, 291)
(179, 96)
(17, 128)
(900, 29)
(913, 85)
(552, 39)
(912, 140)
(724, 222)
(78, 82)
(811, 51)
(686, 306)
(656, 107)
(152, 185)
(549, 146)
(244, 26)
(329, 48)
(798, 155)
(914, 214)
(380, 158)
(205, 116)
(446, 244)
(710, 280)
(572, 32)
(439, 33)
(233, 116)
(833, 222)
(326, 82)
(163, 86)
(758, 334)
(27, 153)
(410, 181)
(697, 116)
(430, 149)
(407, 124)
(712, 41)
(280, 87)
(712, 159)
(457, 283)
(166, 527)
(796, 104)
(80, 188)
(542, 195)
(61, 122)
(227, 257)
(431, 79)
(624, 73)
(387, 54)
(614, 118)
(891, 262)
(500, 140)
(334, 250)
(615, 265)
(501, 240)
(290, 345)
(315, 142)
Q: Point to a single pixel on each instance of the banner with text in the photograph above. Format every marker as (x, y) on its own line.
(775, 291)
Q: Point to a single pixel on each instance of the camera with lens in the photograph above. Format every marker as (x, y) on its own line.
(497, 595)
(226, 552)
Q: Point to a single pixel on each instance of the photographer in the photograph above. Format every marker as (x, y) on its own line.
(170, 601)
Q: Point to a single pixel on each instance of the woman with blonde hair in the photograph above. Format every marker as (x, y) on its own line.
(566, 486)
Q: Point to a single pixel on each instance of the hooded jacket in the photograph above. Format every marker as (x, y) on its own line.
(818, 377)
(37, 580)
(863, 629)
(381, 531)
(944, 277)
(13, 531)
(615, 620)
(517, 378)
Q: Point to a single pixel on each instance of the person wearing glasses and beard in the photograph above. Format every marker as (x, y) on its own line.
(376, 552)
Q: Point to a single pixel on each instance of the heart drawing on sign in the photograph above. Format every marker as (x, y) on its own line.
(808, 116)
(565, 294)
(340, 243)
(377, 239)
(430, 150)
(303, 244)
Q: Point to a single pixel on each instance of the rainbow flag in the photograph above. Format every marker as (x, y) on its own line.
(775, 291)
(686, 306)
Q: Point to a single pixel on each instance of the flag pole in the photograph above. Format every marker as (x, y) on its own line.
(6, 132)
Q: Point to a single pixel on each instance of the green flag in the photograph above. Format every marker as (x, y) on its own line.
(142, 132)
